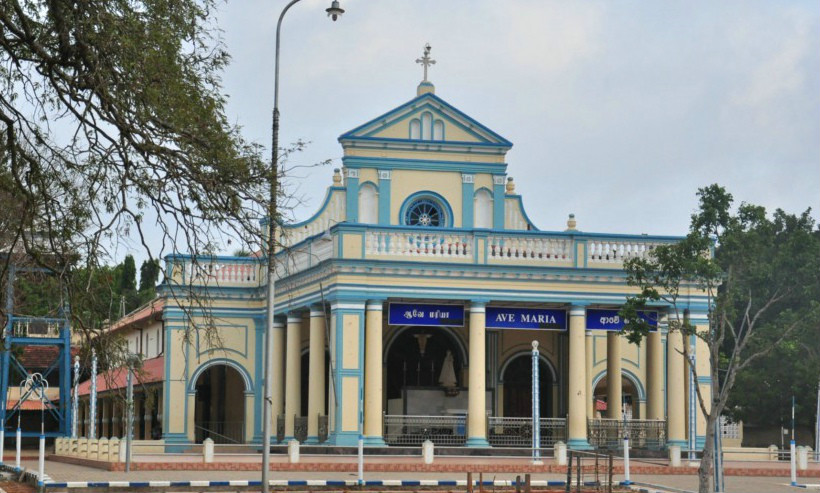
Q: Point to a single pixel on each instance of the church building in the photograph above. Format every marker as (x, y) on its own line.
(414, 305)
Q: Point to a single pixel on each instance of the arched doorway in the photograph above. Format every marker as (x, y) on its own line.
(630, 398)
(517, 380)
(219, 412)
(414, 361)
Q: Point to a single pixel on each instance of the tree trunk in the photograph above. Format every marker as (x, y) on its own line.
(707, 460)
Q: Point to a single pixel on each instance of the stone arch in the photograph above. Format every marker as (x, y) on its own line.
(246, 377)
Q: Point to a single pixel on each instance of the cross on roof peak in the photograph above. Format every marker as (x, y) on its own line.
(425, 60)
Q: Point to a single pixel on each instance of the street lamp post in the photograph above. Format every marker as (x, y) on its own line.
(334, 12)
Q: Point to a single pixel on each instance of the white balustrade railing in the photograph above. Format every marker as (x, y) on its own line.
(529, 248)
(221, 273)
(619, 251)
(419, 244)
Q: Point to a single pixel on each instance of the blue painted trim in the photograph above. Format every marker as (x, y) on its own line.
(467, 198)
(325, 204)
(358, 162)
(384, 201)
(352, 199)
(535, 234)
(578, 444)
(520, 202)
(424, 194)
(375, 441)
(498, 206)
(415, 102)
(477, 442)
(246, 377)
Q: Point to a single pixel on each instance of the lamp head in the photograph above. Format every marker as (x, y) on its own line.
(334, 11)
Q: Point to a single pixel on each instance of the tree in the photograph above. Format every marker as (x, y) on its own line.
(128, 275)
(111, 120)
(149, 275)
(762, 284)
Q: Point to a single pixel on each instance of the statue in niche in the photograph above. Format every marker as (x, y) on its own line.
(447, 377)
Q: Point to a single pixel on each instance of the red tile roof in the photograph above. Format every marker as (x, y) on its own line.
(153, 370)
(28, 405)
(145, 314)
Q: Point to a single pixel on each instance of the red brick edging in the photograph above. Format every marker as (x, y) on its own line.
(413, 467)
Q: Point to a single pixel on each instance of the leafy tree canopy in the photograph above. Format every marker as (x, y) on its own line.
(112, 121)
(761, 276)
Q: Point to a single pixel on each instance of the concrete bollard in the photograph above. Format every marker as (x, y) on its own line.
(674, 455)
(93, 449)
(72, 447)
(802, 458)
(560, 453)
(293, 451)
(116, 450)
(103, 448)
(773, 452)
(82, 447)
(428, 451)
(208, 450)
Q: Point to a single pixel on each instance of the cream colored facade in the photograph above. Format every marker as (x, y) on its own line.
(423, 217)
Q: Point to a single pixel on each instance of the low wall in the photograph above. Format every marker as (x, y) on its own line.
(749, 453)
(104, 449)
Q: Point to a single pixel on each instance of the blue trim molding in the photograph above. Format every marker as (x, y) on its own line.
(384, 196)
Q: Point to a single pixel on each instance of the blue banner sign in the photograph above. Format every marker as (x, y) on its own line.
(525, 318)
(423, 314)
(610, 320)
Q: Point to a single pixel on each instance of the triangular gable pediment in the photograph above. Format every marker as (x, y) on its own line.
(426, 118)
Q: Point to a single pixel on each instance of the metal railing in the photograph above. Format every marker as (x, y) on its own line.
(323, 428)
(643, 433)
(517, 432)
(300, 428)
(36, 327)
(414, 430)
(221, 431)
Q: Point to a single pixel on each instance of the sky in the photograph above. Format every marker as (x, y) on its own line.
(617, 111)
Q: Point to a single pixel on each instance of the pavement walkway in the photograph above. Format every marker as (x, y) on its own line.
(62, 472)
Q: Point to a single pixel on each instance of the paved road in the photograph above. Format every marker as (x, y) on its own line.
(69, 472)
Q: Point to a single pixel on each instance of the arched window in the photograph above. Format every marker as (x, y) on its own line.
(426, 126)
(438, 130)
(483, 209)
(415, 129)
(368, 204)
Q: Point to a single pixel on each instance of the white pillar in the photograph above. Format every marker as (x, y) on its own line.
(590, 341)
(278, 373)
(675, 393)
(293, 374)
(654, 371)
(577, 380)
(373, 385)
(316, 375)
(614, 393)
(476, 408)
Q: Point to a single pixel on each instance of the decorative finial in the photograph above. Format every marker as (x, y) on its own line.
(572, 223)
(337, 176)
(510, 185)
(535, 345)
(426, 61)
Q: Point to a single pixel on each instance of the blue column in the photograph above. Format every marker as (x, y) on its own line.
(384, 196)
(467, 197)
(347, 361)
(352, 194)
(498, 201)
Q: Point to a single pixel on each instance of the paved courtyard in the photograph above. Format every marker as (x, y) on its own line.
(68, 472)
